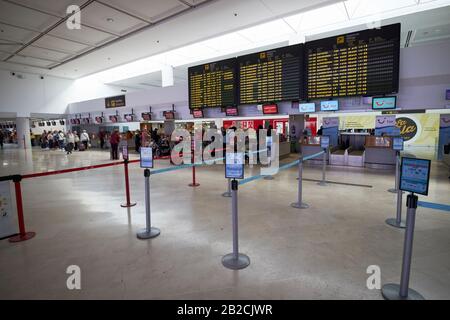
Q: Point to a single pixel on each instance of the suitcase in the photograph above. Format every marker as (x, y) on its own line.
(69, 147)
(81, 147)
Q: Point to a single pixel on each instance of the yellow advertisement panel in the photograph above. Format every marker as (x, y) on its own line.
(357, 122)
(419, 129)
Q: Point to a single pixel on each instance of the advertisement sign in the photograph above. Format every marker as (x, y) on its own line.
(415, 175)
(358, 122)
(324, 142)
(331, 122)
(307, 107)
(379, 103)
(270, 109)
(146, 157)
(7, 209)
(115, 102)
(234, 165)
(231, 111)
(331, 105)
(397, 143)
(419, 129)
(386, 125)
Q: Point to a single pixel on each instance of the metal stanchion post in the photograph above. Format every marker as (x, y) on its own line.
(300, 204)
(228, 193)
(149, 232)
(23, 235)
(397, 173)
(127, 187)
(235, 260)
(397, 221)
(393, 291)
(193, 183)
(324, 165)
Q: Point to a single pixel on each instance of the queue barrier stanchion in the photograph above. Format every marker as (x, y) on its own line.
(228, 192)
(149, 231)
(300, 204)
(23, 234)
(397, 221)
(194, 182)
(397, 173)
(324, 167)
(235, 260)
(128, 204)
(393, 291)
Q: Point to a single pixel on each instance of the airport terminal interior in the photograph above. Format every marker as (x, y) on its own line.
(327, 177)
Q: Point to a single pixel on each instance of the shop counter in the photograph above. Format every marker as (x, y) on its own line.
(379, 153)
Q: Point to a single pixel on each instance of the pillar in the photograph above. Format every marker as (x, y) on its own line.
(23, 132)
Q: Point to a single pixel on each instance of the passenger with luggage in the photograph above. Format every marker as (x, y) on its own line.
(77, 140)
(84, 138)
(70, 142)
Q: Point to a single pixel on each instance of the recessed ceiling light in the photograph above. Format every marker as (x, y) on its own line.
(110, 19)
(437, 30)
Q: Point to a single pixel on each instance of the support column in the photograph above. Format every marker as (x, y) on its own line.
(23, 132)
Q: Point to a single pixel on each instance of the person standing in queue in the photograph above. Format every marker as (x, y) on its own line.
(2, 137)
(102, 135)
(84, 139)
(114, 141)
(137, 141)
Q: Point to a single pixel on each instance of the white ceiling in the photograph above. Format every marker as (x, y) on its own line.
(146, 34)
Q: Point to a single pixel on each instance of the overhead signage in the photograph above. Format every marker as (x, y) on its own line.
(270, 109)
(146, 157)
(307, 107)
(231, 111)
(331, 105)
(234, 165)
(379, 103)
(115, 102)
(415, 175)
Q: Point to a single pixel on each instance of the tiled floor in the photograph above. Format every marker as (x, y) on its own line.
(320, 252)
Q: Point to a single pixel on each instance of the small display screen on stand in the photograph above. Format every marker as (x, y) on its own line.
(397, 143)
(324, 142)
(234, 165)
(415, 175)
(146, 157)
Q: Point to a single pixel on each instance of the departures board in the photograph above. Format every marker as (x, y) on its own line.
(212, 84)
(270, 76)
(364, 63)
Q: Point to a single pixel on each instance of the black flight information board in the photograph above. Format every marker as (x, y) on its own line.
(270, 76)
(363, 63)
(212, 84)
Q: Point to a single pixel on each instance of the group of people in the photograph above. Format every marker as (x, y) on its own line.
(7, 136)
(69, 141)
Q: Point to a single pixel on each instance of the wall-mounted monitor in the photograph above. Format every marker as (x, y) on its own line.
(330, 105)
(270, 109)
(381, 103)
(113, 119)
(99, 119)
(307, 107)
(169, 115)
(146, 116)
(129, 117)
(231, 111)
(86, 120)
(197, 113)
(447, 94)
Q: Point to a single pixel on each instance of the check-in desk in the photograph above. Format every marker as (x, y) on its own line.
(379, 153)
(285, 149)
(311, 145)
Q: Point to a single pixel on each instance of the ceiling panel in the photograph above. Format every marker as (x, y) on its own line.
(44, 53)
(85, 35)
(31, 61)
(7, 46)
(16, 34)
(24, 17)
(3, 55)
(431, 33)
(150, 10)
(108, 19)
(59, 44)
(194, 2)
(56, 7)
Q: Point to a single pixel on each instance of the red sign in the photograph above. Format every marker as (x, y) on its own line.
(197, 113)
(231, 111)
(270, 109)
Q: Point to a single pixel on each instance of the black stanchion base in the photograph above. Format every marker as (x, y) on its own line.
(299, 205)
(22, 237)
(148, 234)
(193, 184)
(391, 291)
(230, 262)
(393, 190)
(393, 223)
(269, 178)
(128, 205)
(226, 194)
(322, 183)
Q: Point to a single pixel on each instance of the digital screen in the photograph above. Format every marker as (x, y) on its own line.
(363, 63)
(324, 142)
(415, 175)
(231, 111)
(270, 109)
(397, 143)
(307, 107)
(212, 84)
(129, 117)
(113, 118)
(146, 116)
(384, 103)
(85, 120)
(331, 105)
(169, 115)
(197, 113)
(234, 165)
(115, 102)
(99, 119)
(270, 76)
(447, 94)
(146, 157)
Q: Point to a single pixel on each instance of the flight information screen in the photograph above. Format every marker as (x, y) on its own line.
(212, 84)
(270, 76)
(363, 63)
